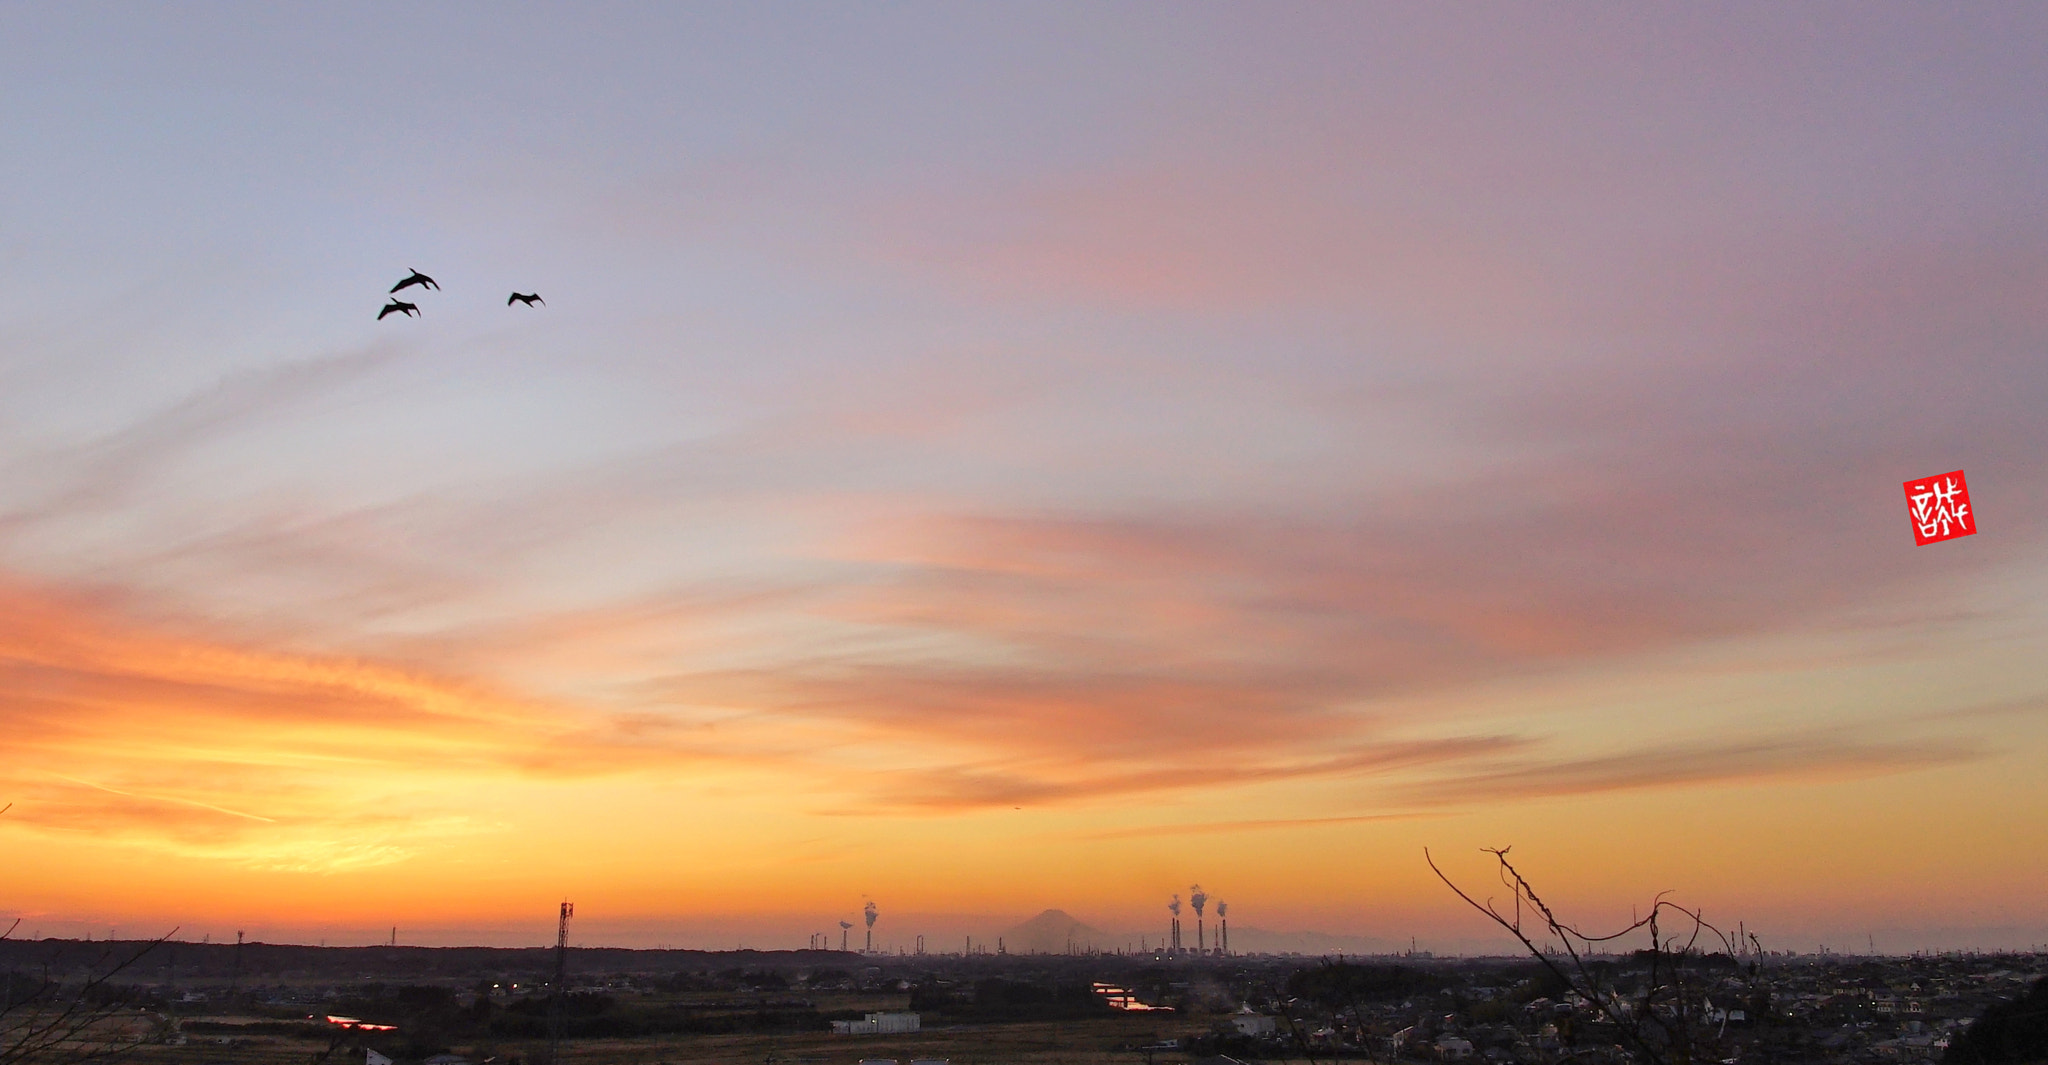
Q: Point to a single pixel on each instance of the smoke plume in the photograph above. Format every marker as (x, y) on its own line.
(870, 913)
(1222, 909)
(1175, 904)
(1199, 897)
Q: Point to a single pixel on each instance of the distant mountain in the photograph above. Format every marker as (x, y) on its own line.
(1055, 932)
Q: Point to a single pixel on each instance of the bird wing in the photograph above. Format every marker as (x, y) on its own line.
(509, 299)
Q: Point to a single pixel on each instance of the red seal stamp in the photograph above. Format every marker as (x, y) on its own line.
(1940, 506)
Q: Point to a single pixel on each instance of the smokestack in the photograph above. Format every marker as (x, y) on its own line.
(1200, 898)
(870, 913)
(1175, 907)
(843, 926)
(1223, 917)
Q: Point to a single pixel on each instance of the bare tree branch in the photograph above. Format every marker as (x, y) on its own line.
(1659, 1026)
(53, 1023)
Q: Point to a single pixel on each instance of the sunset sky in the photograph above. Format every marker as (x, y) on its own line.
(983, 458)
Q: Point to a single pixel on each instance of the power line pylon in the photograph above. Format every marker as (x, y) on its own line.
(561, 975)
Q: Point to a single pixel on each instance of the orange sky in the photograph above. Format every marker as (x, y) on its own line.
(175, 779)
(986, 462)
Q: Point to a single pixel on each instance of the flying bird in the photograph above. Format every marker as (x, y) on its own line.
(528, 298)
(416, 278)
(399, 307)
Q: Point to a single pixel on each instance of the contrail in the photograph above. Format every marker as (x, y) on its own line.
(162, 798)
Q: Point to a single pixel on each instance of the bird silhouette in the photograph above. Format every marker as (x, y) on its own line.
(416, 278)
(399, 307)
(528, 298)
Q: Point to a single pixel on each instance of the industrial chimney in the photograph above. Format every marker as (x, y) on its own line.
(1201, 899)
(1223, 918)
(870, 914)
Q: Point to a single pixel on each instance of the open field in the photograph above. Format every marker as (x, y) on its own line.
(1068, 1043)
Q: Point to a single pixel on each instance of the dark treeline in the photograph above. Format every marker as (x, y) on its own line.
(168, 961)
(995, 999)
(1335, 985)
(2007, 1034)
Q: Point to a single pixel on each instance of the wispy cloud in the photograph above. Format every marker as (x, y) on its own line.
(1210, 828)
(123, 731)
(1808, 758)
(99, 473)
(1086, 777)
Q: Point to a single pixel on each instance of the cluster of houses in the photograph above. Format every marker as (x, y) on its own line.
(1874, 1011)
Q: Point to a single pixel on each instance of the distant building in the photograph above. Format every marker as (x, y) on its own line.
(1454, 1048)
(1254, 1024)
(879, 1024)
(1717, 1015)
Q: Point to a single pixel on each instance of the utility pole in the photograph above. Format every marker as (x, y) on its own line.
(561, 975)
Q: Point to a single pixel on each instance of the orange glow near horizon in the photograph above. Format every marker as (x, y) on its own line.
(310, 794)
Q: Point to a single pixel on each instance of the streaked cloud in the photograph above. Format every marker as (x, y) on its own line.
(1209, 828)
(96, 473)
(964, 787)
(123, 731)
(1803, 759)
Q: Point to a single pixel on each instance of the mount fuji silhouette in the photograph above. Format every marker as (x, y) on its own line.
(1053, 932)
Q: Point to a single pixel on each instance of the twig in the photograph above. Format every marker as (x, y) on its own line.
(1676, 1032)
